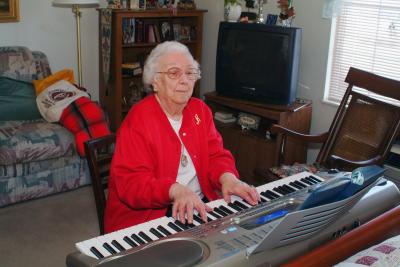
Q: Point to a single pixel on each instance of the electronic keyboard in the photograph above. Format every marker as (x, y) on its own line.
(238, 234)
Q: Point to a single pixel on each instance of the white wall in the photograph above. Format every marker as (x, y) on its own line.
(52, 30)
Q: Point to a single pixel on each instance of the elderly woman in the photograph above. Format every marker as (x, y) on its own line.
(168, 150)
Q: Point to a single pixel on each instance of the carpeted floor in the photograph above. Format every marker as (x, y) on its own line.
(42, 232)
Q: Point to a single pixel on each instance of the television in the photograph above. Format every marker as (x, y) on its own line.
(258, 62)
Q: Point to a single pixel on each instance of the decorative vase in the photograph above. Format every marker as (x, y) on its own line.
(232, 12)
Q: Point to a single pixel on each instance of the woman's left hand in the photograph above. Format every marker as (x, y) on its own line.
(233, 186)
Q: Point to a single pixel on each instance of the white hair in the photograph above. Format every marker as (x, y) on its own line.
(151, 66)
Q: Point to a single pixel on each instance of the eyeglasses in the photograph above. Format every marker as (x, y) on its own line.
(176, 73)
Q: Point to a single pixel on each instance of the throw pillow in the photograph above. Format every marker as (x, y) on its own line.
(67, 75)
(17, 100)
(52, 100)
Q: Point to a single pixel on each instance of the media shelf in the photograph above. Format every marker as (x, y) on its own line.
(127, 47)
(252, 148)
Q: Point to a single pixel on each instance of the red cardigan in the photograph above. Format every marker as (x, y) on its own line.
(146, 161)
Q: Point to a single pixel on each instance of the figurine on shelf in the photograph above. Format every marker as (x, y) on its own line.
(186, 4)
(287, 12)
(114, 4)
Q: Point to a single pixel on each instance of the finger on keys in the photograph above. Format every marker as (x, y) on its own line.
(255, 194)
(175, 209)
(182, 211)
(248, 195)
(252, 197)
(202, 209)
(189, 213)
(227, 198)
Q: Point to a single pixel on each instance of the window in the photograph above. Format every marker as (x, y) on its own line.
(366, 35)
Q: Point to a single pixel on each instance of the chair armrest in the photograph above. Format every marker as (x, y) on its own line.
(342, 162)
(278, 129)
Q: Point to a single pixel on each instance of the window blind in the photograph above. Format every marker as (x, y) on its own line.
(366, 36)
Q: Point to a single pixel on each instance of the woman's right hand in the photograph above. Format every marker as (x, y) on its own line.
(184, 202)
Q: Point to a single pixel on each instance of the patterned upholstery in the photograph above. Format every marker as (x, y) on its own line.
(37, 158)
(25, 141)
(20, 63)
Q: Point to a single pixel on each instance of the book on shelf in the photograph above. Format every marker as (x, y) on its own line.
(139, 31)
(131, 69)
(151, 38)
(157, 33)
(128, 30)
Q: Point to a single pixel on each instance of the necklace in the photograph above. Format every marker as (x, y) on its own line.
(184, 159)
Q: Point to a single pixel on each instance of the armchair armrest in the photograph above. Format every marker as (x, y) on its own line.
(284, 133)
(278, 129)
(345, 164)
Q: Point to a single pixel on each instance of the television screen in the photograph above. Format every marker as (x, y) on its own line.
(258, 62)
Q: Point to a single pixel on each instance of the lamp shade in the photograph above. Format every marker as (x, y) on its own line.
(76, 2)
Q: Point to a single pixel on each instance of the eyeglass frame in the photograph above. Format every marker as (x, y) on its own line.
(169, 73)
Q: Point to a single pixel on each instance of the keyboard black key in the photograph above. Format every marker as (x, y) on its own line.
(263, 199)
(300, 184)
(296, 185)
(215, 215)
(156, 233)
(137, 239)
(280, 190)
(234, 206)
(173, 226)
(209, 219)
(226, 210)
(266, 195)
(181, 225)
(109, 248)
(288, 188)
(220, 212)
(272, 194)
(96, 252)
(144, 236)
(163, 230)
(240, 204)
(310, 180)
(189, 225)
(198, 219)
(117, 245)
(315, 178)
(306, 181)
(129, 241)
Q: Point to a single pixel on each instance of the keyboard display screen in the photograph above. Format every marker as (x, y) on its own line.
(268, 216)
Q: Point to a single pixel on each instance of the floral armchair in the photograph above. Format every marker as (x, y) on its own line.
(37, 158)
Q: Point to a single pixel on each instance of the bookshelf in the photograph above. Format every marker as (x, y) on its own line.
(134, 33)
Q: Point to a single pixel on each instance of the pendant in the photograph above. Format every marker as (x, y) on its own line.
(184, 160)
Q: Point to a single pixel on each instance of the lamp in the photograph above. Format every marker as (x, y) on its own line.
(76, 4)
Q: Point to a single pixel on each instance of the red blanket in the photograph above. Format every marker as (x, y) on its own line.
(86, 120)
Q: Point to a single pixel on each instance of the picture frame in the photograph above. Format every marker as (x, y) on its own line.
(177, 31)
(151, 4)
(9, 11)
(166, 30)
(185, 33)
(134, 4)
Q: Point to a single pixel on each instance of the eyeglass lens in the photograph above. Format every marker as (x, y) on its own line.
(176, 73)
